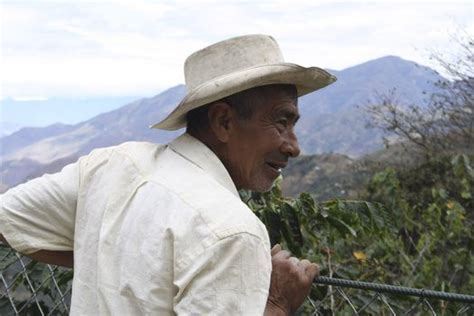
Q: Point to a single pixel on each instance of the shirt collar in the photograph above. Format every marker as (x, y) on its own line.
(199, 154)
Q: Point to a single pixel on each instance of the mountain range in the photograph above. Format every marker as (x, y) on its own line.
(332, 120)
(40, 111)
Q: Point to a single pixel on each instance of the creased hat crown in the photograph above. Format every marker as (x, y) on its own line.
(229, 56)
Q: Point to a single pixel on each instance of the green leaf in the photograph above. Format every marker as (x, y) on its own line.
(273, 223)
(342, 226)
(292, 246)
(466, 195)
(291, 216)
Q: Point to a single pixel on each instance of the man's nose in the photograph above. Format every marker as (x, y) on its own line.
(291, 147)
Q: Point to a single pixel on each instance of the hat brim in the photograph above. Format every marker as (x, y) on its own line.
(306, 80)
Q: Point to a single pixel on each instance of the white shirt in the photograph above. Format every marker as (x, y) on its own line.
(155, 230)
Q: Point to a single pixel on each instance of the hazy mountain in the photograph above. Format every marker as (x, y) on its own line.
(330, 120)
(30, 135)
(49, 111)
(8, 127)
(32, 151)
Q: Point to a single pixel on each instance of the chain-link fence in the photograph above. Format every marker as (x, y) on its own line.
(32, 288)
(348, 297)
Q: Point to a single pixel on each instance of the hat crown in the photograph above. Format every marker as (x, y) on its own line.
(230, 56)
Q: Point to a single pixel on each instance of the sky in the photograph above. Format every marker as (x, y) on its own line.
(83, 49)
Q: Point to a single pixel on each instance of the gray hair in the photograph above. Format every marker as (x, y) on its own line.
(244, 103)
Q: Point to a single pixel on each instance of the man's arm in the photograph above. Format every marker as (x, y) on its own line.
(37, 218)
(59, 258)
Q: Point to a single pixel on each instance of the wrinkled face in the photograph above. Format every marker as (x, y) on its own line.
(260, 146)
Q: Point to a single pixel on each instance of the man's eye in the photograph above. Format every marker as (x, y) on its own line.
(283, 122)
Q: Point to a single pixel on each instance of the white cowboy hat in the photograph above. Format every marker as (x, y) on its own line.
(238, 64)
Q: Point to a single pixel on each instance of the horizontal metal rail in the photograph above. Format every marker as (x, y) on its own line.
(393, 289)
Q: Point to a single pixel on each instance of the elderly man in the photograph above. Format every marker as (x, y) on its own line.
(161, 229)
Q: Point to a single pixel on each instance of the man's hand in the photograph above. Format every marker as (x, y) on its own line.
(290, 283)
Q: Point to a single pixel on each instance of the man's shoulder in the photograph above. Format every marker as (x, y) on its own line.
(220, 210)
(168, 175)
(205, 195)
(141, 155)
(134, 149)
(206, 215)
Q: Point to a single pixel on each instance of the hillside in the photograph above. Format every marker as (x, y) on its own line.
(331, 121)
(328, 176)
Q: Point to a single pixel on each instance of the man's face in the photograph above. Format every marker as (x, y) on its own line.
(260, 146)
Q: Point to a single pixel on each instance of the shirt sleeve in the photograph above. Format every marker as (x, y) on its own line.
(231, 277)
(40, 214)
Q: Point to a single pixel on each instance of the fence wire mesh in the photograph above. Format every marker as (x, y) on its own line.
(348, 297)
(31, 288)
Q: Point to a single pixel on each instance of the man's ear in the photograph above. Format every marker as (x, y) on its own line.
(221, 117)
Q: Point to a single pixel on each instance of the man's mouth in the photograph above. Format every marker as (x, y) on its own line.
(277, 166)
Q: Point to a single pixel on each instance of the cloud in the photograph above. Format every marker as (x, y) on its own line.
(29, 98)
(72, 48)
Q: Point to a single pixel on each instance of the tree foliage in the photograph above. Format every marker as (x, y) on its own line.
(416, 232)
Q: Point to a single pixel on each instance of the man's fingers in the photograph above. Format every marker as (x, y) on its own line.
(312, 270)
(278, 253)
(294, 261)
(282, 254)
(276, 249)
